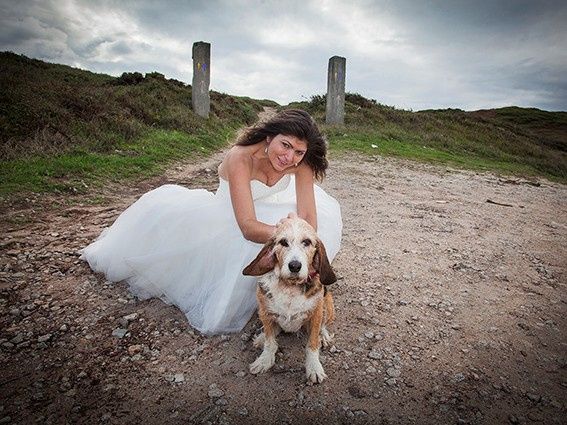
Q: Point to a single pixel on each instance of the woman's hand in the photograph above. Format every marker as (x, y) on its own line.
(289, 216)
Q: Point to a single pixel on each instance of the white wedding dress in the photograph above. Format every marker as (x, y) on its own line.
(185, 247)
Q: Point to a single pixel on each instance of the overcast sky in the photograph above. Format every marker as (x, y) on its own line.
(410, 54)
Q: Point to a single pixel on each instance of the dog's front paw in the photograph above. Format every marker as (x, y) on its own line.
(313, 368)
(326, 337)
(263, 363)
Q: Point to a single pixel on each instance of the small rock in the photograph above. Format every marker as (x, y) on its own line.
(119, 332)
(215, 391)
(375, 354)
(393, 372)
(131, 317)
(135, 349)
(391, 381)
(17, 339)
(369, 335)
(243, 411)
(44, 338)
(179, 377)
(459, 377)
(241, 374)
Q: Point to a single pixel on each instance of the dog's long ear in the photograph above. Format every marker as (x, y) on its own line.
(263, 263)
(322, 266)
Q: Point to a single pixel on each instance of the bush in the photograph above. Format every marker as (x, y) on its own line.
(359, 100)
(317, 101)
(130, 79)
(155, 75)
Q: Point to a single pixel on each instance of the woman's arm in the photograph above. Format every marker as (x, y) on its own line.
(305, 195)
(238, 169)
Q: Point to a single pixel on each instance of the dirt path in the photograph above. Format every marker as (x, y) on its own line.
(450, 309)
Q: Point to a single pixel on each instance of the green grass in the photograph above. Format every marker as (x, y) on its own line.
(75, 171)
(519, 141)
(374, 144)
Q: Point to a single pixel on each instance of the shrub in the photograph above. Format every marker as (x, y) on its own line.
(130, 79)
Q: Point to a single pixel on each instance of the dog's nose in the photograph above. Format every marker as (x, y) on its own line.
(294, 266)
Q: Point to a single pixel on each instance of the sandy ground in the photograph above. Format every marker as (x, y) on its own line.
(450, 309)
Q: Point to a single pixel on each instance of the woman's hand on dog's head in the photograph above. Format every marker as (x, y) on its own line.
(289, 216)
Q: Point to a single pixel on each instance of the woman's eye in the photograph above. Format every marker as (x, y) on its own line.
(283, 242)
(306, 242)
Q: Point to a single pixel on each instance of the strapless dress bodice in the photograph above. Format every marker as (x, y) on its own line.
(259, 189)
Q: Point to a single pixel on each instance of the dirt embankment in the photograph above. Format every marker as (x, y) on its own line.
(450, 309)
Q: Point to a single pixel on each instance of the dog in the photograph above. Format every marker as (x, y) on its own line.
(291, 291)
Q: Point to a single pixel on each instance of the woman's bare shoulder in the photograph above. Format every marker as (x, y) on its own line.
(237, 159)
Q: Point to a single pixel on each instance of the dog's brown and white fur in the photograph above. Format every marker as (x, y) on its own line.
(293, 266)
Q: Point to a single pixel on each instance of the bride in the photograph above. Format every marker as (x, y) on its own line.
(188, 247)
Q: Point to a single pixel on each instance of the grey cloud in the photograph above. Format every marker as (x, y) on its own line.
(467, 54)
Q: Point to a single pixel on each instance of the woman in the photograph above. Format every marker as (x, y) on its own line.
(189, 247)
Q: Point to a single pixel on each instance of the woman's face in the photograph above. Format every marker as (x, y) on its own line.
(285, 151)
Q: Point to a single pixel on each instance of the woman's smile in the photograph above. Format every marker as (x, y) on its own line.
(283, 162)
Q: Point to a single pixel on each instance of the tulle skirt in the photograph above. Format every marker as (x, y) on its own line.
(185, 247)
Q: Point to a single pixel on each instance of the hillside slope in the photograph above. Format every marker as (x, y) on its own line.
(53, 108)
(510, 140)
(62, 127)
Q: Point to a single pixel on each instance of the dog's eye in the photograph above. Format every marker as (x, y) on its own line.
(283, 242)
(306, 242)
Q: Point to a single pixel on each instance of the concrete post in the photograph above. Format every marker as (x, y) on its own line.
(200, 98)
(335, 112)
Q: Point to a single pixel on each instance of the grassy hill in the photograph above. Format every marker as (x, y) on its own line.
(512, 140)
(61, 127)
